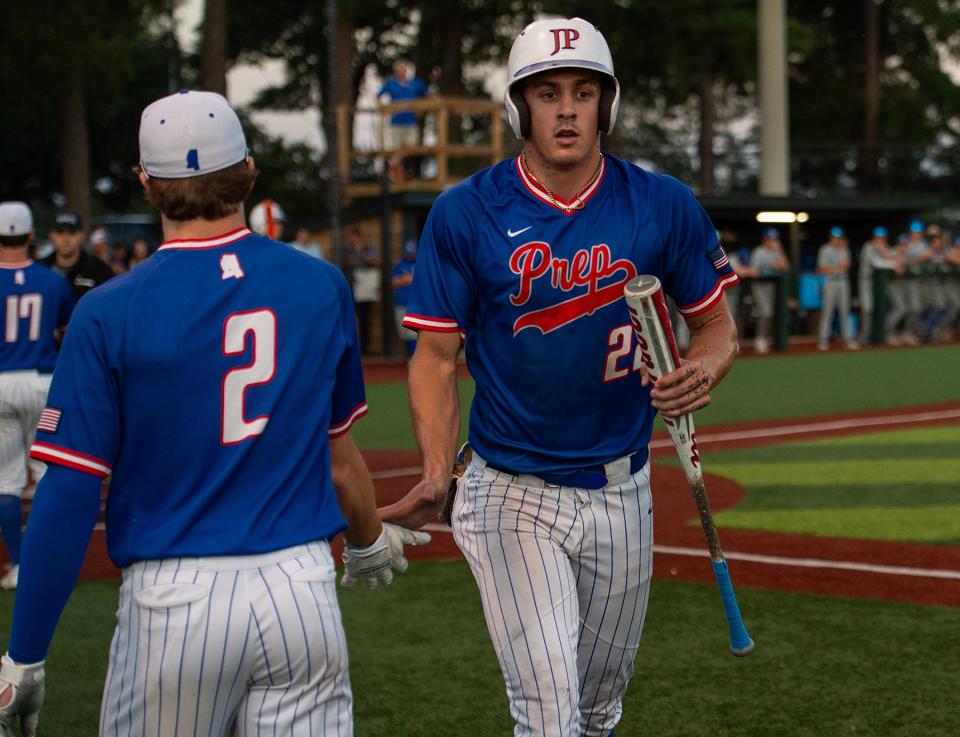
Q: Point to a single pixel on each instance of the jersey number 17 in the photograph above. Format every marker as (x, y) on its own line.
(19, 307)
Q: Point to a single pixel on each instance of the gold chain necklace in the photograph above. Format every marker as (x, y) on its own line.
(578, 204)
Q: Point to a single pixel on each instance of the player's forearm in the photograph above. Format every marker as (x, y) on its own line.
(435, 403)
(354, 489)
(62, 517)
(713, 342)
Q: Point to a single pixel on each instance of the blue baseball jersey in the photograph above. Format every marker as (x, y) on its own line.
(207, 382)
(401, 295)
(35, 302)
(401, 91)
(537, 292)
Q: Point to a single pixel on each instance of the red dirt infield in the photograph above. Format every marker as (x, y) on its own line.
(907, 572)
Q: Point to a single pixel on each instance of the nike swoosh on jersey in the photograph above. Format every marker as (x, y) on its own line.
(515, 233)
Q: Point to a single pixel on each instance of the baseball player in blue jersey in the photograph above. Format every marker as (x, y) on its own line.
(216, 384)
(35, 305)
(528, 260)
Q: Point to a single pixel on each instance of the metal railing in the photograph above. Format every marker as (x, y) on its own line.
(453, 133)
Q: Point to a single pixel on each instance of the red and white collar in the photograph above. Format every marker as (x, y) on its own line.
(193, 243)
(540, 193)
(16, 264)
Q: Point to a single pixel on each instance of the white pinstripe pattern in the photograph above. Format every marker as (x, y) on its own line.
(241, 647)
(564, 578)
(23, 395)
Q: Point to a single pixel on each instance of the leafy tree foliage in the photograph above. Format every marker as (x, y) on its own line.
(687, 70)
(919, 104)
(117, 55)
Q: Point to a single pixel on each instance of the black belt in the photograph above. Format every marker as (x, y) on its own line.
(590, 477)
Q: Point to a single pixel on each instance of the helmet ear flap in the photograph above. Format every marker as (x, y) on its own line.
(609, 104)
(518, 111)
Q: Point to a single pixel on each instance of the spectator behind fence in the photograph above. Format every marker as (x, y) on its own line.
(916, 256)
(950, 322)
(100, 244)
(402, 281)
(874, 254)
(833, 264)
(767, 259)
(363, 262)
(934, 287)
(119, 258)
(734, 293)
(896, 328)
(139, 252)
(303, 242)
(83, 271)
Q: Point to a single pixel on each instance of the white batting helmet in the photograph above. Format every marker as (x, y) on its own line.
(559, 43)
(267, 218)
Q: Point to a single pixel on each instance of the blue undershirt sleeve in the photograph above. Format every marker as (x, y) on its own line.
(59, 528)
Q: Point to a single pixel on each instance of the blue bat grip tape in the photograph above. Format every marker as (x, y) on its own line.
(740, 642)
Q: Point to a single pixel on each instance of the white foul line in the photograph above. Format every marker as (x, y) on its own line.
(853, 423)
(777, 560)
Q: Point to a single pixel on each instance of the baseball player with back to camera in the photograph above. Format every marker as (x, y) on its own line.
(216, 384)
(35, 304)
(528, 260)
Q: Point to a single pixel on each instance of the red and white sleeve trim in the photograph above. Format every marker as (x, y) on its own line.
(71, 459)
(338, 430)
(712, 297)
(436, 324)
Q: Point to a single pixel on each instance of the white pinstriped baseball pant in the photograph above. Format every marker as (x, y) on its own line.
(22, 397)
(564, 578)
(235, 645)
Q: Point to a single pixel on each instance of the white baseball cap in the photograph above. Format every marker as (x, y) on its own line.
(15, 218)
(188, 134)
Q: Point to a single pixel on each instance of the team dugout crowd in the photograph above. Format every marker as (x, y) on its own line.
(907, 283)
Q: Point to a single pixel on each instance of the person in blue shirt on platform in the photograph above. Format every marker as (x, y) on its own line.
(216, 384)
(403, 129)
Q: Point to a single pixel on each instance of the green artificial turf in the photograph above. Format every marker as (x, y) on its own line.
(896, 485)
(387, 426)
(422, 665)
(763, 388)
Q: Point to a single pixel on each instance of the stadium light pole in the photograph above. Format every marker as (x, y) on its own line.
(774, 102)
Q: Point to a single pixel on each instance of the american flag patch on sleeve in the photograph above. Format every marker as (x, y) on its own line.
(49, 419)
(719, 258)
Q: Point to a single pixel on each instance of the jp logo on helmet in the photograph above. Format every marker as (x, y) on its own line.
(560, 43)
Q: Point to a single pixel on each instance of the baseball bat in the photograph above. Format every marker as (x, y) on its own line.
(658, 352)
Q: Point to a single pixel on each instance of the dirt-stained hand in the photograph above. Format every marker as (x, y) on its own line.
(681, 391)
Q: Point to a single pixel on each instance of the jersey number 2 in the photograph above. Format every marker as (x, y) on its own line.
(18, 307)
(261, 325)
